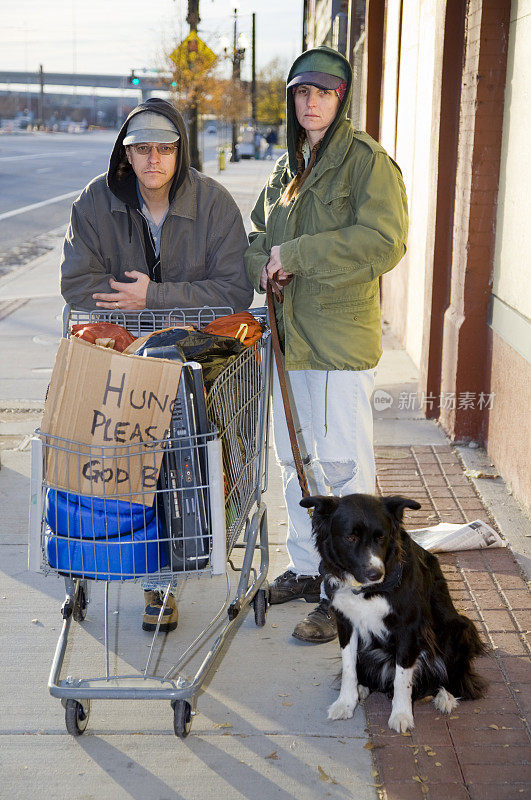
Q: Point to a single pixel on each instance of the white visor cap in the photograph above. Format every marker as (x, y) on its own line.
(147, 126)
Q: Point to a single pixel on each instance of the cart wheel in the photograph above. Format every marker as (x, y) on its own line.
(80, 606)
(182, 718)
(76, 716)
(260, 607)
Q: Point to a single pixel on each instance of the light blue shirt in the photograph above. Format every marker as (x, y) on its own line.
(155, 230)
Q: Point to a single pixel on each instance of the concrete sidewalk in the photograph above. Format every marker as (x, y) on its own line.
(261, 730)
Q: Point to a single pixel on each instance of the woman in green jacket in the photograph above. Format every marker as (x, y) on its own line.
(330, 220)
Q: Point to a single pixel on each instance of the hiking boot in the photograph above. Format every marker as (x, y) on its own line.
(319, 626)
(154, 601)
(289, 586)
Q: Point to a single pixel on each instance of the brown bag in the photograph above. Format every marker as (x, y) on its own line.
(242, 326)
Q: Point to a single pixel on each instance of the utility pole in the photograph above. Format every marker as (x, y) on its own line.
(41, 95)
(193, 19)
(238, 54)
(253, 74)
(236, 73)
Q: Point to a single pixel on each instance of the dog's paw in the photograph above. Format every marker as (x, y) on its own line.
(445, 702)
(342, 709)
(363, 692)
(401, 721)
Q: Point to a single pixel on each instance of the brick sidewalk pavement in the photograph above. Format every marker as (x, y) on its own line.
(482, 750)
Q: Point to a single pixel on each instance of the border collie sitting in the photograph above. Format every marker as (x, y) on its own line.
(399, 631)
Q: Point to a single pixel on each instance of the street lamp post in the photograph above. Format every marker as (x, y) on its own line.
(238, 54)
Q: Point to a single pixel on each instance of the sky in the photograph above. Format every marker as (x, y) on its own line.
(115, 36)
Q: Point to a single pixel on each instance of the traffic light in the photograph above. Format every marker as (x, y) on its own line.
(133, 80)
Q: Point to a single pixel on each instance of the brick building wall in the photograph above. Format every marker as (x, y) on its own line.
(467, 340)
(464, 352)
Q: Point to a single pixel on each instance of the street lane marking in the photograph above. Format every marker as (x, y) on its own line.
(44, 169)
(59, 154)
(33, 206)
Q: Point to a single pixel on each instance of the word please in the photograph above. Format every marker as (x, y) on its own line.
(117, 431)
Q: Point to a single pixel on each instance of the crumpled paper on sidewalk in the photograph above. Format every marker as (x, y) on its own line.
(476, 535)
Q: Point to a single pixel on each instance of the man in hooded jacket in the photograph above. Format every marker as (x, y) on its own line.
(154, 233)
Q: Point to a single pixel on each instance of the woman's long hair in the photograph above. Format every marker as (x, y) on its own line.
(293, 188)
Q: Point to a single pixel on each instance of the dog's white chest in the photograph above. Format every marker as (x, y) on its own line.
(366, 615)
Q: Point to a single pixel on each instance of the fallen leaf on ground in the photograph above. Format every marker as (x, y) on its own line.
(323, 775)
(478, 473)
(222, 725)
(287, 704)
(273, 755)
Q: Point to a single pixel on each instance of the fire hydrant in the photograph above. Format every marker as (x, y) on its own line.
(221, 159)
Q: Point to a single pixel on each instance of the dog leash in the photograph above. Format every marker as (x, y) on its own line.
(271, 289)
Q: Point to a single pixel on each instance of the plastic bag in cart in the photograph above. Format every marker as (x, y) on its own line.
(103, 539)
(213, 352)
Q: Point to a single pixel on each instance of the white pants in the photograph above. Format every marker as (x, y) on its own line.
(333, 421)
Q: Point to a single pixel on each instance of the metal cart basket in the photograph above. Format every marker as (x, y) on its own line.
(205, 502)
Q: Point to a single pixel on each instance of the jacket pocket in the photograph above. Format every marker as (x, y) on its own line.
(331, 194)
(348, 304)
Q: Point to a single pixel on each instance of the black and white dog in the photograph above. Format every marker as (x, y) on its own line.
(399, 631)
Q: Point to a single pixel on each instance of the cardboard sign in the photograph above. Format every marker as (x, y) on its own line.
(109, 411)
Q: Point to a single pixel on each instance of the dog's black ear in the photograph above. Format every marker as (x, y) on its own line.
(325, 504)
(396, 504)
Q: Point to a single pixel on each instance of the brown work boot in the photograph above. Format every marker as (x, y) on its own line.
(153, 601)
(319, 626)
(289, 586)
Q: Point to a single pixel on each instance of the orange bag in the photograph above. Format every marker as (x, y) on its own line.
(105, 334)
(242, 326)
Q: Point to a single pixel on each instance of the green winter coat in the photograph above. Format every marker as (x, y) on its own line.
(347, 226)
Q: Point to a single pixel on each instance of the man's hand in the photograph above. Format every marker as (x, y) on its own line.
(275, 270)
(126, 296)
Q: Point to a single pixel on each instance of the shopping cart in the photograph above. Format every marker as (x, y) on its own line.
(206, 504)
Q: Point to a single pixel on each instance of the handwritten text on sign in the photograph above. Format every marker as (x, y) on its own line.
(112, 408)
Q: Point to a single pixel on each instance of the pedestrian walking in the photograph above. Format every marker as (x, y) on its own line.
(271, 139)
(154, 233)
(330, 220)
